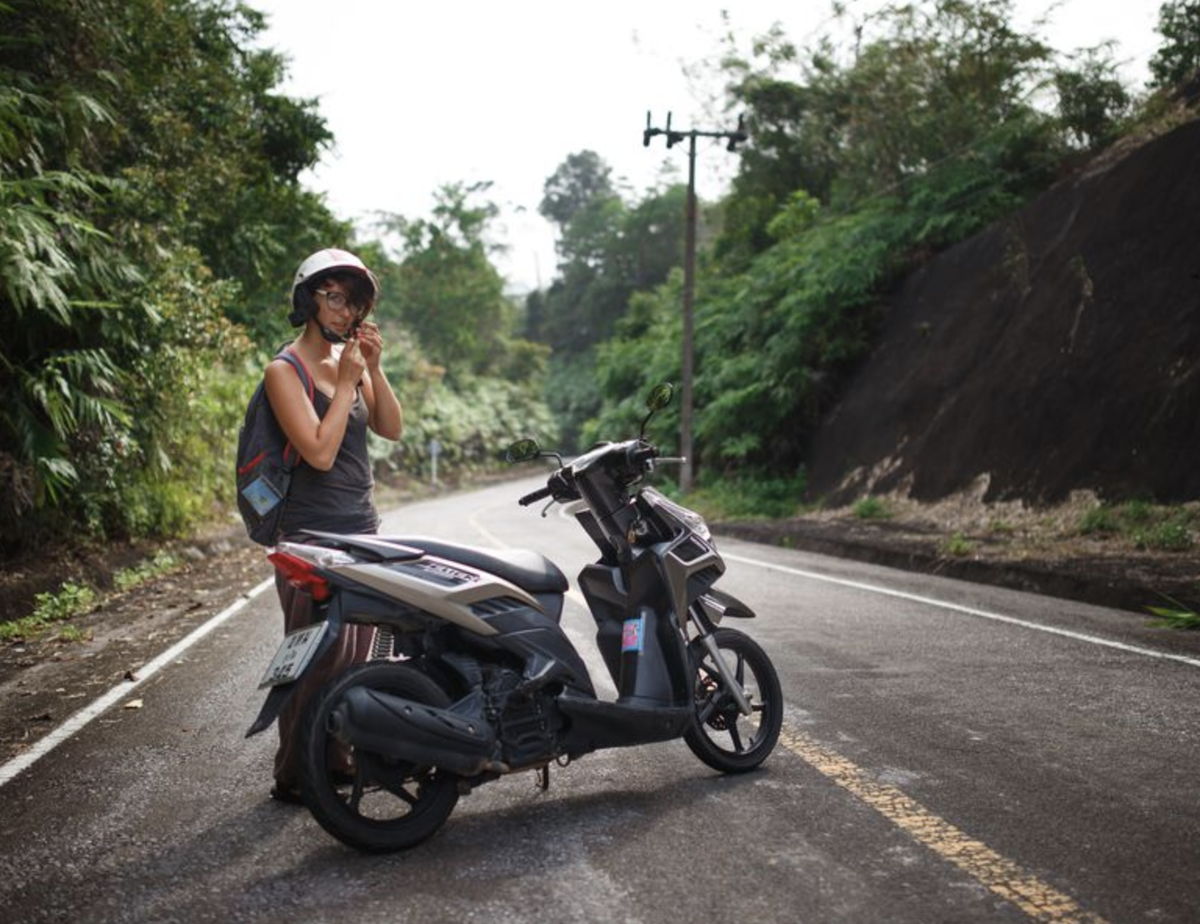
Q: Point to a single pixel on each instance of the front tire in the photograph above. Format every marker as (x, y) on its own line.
(374, 803)
(720, 735)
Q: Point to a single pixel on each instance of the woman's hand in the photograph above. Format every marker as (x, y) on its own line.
(351, 365)
(387, 417)
(370, 342)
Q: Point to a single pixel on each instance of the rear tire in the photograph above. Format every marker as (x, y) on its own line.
(720, 735)
(376, 804)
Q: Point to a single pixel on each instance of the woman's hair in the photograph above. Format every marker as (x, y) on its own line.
(358, 287)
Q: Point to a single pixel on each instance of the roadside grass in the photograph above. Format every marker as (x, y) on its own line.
(53, 610)
(1147, 526)
(129, 578)
(50, 609)
(871, 508)
(957, 545)
(746, 497)
(1176, 616)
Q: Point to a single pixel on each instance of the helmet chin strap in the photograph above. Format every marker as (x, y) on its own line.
(331, 335)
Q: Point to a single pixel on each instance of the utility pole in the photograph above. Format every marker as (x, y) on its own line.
(689, 276)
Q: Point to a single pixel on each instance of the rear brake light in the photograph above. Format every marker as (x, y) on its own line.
(301, 574)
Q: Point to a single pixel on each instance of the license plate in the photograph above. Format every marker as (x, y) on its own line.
(293, 655)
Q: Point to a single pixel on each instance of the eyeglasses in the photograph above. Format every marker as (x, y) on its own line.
(338, 302)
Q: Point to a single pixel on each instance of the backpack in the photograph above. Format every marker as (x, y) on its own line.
(265, 460)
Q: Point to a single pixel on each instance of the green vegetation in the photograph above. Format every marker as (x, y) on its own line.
(69, 601)
(151, 218)
(1173, 534)
(1178, 58)
(162, 563)
(138, 225)
(821, 218)
(1145, 525)
(958, 546)
(52, 610)
(1176, 616)
(1100, 520)
(748, 496)
(609, 249)
(871, 508)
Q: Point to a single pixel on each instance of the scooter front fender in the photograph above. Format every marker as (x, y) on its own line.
(717, 605)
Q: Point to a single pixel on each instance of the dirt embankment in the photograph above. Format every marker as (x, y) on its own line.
(1056, 351)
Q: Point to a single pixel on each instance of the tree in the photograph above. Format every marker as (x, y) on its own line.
(608, 250)
(449, 293)
(860, 162)
(577, 184)
(1179, 56)
(147, 191)
(926, 83)
(1091, 98)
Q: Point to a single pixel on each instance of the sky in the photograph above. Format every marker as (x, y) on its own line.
(421, 94)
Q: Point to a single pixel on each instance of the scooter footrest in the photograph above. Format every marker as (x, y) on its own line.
(596, 724)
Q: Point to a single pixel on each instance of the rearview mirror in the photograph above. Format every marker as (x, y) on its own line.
(660, 396)
(523, 451)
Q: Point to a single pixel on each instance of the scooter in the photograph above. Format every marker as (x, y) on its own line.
(471, 677)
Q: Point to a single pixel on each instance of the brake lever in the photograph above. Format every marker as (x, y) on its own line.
(546, 509)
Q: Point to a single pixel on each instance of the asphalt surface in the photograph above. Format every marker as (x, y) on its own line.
(951, 752)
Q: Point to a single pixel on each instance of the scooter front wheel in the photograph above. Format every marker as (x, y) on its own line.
(373, 803)
(720, 735)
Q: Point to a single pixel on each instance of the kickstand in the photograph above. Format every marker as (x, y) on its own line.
(543, 778)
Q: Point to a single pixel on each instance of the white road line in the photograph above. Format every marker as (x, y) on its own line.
(473, 522)
(969, 610)
(84, 716)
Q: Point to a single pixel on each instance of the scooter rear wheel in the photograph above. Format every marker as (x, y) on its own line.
(720, 734)
(375, 804)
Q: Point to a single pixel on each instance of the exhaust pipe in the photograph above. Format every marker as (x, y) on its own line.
(404, 729)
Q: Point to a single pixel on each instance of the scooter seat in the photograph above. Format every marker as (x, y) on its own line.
(530, 571)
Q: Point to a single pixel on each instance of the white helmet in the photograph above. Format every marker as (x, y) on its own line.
(319, 263)
(328, 259)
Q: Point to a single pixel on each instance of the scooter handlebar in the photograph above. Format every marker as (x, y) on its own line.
(640, 454)
(535, 496)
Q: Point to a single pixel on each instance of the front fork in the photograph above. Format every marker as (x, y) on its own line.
(710, 645)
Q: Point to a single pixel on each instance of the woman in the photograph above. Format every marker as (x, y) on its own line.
(332, 489)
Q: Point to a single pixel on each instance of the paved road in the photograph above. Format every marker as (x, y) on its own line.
(944, 759)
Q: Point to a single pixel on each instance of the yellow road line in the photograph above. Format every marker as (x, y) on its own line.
(1037, 899)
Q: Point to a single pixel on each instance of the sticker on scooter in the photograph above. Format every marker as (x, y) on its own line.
(633, 634)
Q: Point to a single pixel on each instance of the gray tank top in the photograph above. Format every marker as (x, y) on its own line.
(340, 500)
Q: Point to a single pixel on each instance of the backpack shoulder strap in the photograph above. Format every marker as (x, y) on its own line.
(293, 359)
